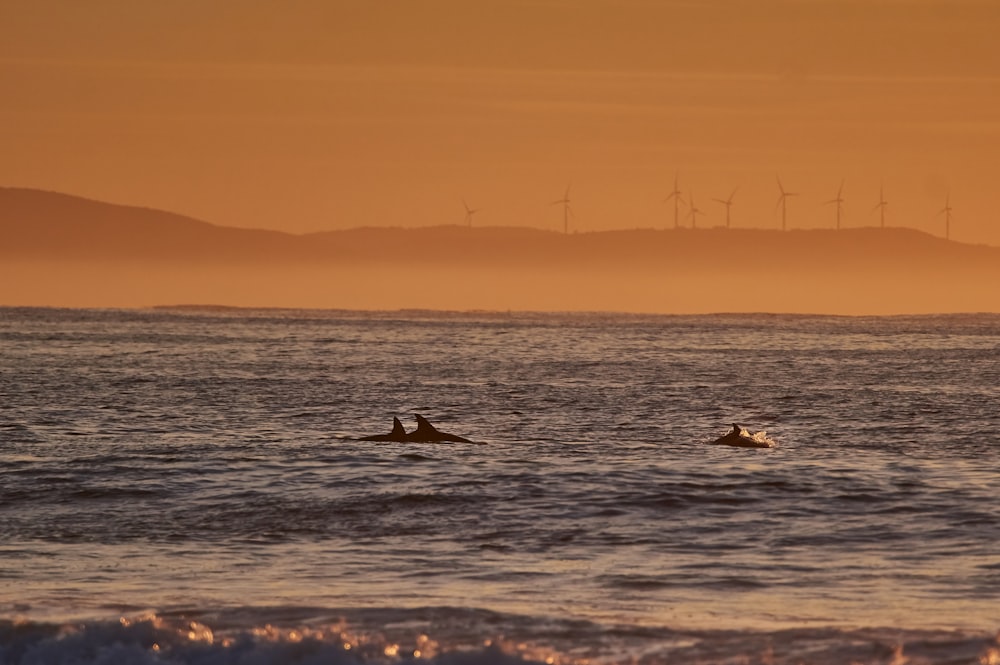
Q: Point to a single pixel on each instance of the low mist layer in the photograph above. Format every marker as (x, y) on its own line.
(463, 288)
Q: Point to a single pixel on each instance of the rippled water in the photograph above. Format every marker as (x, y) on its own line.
(177, 466)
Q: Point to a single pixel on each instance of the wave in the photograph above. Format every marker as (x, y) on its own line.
(456, 636)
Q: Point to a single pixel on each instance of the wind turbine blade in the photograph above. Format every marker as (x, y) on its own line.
(780, 186)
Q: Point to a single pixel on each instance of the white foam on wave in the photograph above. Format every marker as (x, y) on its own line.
(153, 639)
(157, 639)
(762, 438)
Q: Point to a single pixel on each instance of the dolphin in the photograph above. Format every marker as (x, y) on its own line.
(737, 437)
(427, 433)
(397, 434)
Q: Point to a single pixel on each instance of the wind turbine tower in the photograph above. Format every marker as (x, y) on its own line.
(694, 212)
(676, 196)
(839, 201)
(469, 212)
(566, 209)
(782, 201)
(728, 203)
(946, 211)
(880, 206)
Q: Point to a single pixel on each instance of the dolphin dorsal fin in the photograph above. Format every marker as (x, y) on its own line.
(397, 427)
(423, 426)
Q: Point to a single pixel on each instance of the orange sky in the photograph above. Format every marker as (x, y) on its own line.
(310, 114)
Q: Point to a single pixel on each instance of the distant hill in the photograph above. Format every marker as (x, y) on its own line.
(39, 224)
(46, 235)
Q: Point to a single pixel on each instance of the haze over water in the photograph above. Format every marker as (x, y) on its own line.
(176, 466)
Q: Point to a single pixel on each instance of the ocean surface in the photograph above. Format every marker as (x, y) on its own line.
(188, 486)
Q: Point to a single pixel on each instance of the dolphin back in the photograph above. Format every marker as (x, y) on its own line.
(398, 434)
(427, 433)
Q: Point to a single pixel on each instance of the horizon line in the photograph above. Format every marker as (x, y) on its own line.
(210, 307)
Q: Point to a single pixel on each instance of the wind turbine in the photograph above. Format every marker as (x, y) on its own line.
(728, 203)
(676, 196)
(566, 209)
(946, 211)
(782, 202)
(880, 206)
(694, 212)
(469, 212)
(839, 201)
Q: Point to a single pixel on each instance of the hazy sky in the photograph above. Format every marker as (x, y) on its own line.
(319, 114)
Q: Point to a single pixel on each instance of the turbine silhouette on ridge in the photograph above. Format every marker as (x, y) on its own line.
(469, 212)
(782, 200)
(946, 211)
(728, 203)
(693, 212)
(881, 205)
(839, 201)
(567, 211)
(676, 196)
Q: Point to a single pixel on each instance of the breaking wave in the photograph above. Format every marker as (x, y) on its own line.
(444, 636)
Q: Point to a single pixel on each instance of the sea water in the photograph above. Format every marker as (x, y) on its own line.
(188, 486)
